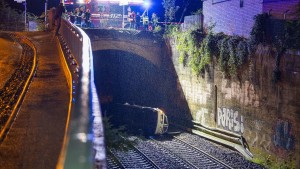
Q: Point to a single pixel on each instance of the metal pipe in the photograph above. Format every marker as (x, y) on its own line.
(269, 13)
(284, 14)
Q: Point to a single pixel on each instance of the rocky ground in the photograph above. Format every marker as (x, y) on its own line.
(16, 61)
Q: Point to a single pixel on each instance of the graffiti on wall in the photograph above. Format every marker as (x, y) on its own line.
(230, 120)
(256, 137)
(283, 137)
(201, 115)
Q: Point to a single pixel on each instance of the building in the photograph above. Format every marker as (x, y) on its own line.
(235, 17)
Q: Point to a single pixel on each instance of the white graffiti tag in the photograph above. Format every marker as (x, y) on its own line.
(200, 115)
(230, 120)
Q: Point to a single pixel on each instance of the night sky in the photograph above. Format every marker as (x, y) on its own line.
(37, 7)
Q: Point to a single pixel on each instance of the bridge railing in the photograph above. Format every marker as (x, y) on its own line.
(83, 145)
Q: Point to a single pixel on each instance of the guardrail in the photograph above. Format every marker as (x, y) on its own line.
(83, 146)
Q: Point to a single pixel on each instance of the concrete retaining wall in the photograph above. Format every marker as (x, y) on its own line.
(267, 115)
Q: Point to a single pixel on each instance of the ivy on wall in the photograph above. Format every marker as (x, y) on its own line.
(198, 50)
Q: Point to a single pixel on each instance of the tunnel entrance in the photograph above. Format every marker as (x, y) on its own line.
(122, 77)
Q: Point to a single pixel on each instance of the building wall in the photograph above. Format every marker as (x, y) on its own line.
(266, 114)
(233, 19)
(278, 7)
(229, 17)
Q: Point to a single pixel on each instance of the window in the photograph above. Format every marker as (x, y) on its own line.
(218, 1)
(266, 1)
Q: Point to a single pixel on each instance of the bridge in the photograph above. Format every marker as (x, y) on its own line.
(141, 43)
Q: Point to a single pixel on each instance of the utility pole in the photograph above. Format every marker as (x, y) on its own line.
(123, 3)
(25, 14)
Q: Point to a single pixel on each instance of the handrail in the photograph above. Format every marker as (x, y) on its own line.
(83, 145)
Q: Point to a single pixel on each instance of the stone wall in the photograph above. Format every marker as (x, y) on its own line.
(266, 114)
(143, 43)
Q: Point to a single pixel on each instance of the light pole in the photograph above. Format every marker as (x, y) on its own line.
(25, 14)
(46, 2)
(123, 3)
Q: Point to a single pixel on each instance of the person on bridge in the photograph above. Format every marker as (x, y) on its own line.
(77, 19)
(132, 20)
(59, 11)
(154, 20)
(137, 21)
(87, 18)
(81, 16)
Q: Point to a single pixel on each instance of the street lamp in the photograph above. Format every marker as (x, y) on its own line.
(146, 5)
(123, 3)
(46, 2)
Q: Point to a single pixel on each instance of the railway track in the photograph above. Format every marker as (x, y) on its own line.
(192, 155)
(112, 161)
(230, 157)
(162, 156)
(15, 87)
(184, 151)
(133, 158)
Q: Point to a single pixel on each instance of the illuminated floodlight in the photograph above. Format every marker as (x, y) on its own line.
(146, 4)
(123, 2)
(20, 1)
(80, 1)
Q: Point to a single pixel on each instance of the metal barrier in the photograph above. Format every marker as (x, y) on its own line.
(83, 146)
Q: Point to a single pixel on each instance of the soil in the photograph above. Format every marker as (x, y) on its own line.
(10, 55)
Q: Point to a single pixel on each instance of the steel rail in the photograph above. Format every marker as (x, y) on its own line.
(147, 158)
(143, 155)
(208, 155)
(170, 151)
(114, 158)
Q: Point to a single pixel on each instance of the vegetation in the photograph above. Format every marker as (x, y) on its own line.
(198, 12)
(269, 161)
(114, 136)
(13, 20)
(10, 19)
(170, 10)
(198, 49)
